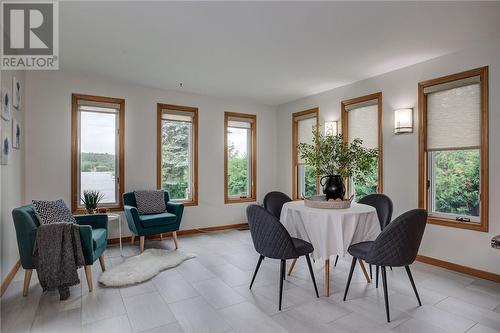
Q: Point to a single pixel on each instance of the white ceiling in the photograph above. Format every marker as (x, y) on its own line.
(264, 52)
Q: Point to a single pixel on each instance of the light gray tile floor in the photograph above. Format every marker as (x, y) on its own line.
(210, 294)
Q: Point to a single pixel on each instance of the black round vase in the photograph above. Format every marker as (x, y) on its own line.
(333, 187)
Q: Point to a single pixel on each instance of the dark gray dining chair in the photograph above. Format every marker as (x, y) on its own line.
(274, 201)
(272, 240)
(396, 246)
(384, 207)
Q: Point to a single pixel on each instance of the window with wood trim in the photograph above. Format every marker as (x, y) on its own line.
(97, 150)
(304, 180)
(362, 119)
(177, 152)
(240, 157)
(453, 149)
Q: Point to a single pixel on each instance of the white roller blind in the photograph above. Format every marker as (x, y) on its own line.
(453, 118)
(305, 132)
(177, 115)
(91, 106)
(240, 122)
(363, 124)
(452, 84)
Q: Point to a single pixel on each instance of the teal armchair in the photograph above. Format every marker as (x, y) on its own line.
(152, 224)
(93, 235)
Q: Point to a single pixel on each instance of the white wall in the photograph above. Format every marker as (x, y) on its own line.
(12, 179)
(48, 159)
(464, 247)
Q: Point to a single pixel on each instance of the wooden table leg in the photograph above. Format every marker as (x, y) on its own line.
(363, 268)
(327, 277)
(292, 266)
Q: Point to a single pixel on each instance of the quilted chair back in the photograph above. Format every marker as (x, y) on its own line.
(274, 201)
(383, 205)
(269, 236)
(397, 245)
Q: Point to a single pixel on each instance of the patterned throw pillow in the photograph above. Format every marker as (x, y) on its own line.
(52, 212)
(150, 201)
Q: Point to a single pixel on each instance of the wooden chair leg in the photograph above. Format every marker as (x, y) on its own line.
(101, 261)
(132, 239)
(141, 243)
(294, 261)
(88, 275)
(161, 236)
(27, 279)
(174, 236)
(363, 268)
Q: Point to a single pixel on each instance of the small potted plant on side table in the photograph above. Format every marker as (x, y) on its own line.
(91, 199)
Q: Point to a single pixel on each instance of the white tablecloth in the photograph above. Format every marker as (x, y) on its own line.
(330, 231)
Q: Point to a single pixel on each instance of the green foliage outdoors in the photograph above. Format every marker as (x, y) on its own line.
(175, 158)
(97, 162)
(237, 173)
(367, 183)
(310, 181)
(457, 181)
(456, 172)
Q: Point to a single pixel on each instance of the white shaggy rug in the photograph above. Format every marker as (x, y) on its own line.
(142, 267)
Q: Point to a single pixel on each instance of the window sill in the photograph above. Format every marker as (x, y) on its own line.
(186, 203)
(80, 211)
(238, 200)
(454, 224)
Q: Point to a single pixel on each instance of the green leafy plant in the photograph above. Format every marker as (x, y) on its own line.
(330, 155)
(91, 199)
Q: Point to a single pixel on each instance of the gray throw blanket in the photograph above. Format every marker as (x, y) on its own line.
(57, 256)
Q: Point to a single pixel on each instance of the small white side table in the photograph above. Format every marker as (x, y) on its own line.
(117, 218)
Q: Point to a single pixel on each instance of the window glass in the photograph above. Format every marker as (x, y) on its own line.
(454, 186)
(239, 162)
(363, 124)
(453, 150)
(98, 148)
(177, 155)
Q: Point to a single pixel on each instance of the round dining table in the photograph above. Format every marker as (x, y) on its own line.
(330, 231)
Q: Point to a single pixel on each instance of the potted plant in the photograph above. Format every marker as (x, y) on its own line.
(91, 199)
(334, 159)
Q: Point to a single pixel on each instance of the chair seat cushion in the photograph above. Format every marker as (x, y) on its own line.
(157, 220)
(302, 246)
(98, 238)
(360, 250)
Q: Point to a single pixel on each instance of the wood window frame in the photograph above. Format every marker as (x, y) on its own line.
(75, 196)
(253, 196)
(380, 140)
(159, 111)
(482, 72)
(295, 143)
